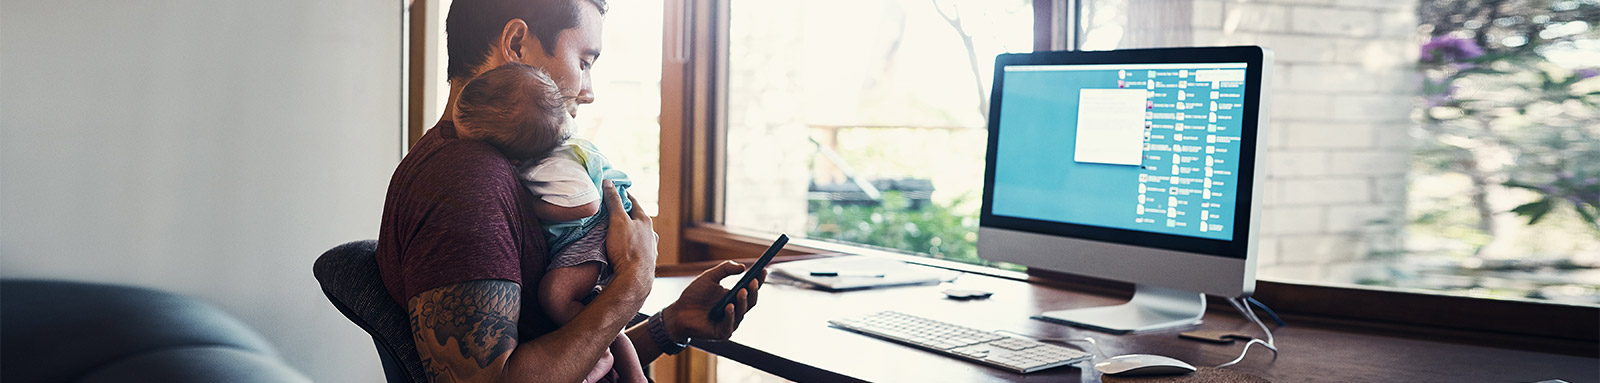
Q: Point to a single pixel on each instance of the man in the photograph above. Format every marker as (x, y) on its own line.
(460, 248)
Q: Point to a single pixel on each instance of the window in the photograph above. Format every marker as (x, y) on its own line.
(622, 121)
(863, 121)
(1413, 143)
(1388, 168)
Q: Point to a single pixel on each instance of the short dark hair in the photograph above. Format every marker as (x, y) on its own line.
(514, 107)
(472, 27)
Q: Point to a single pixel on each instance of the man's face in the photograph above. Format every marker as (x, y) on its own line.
(576, 50)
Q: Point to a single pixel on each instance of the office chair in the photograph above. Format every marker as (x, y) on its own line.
(349, 276)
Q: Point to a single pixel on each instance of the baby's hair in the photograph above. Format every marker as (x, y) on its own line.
(516, 108)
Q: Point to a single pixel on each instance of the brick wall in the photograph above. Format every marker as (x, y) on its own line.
(1339, 149)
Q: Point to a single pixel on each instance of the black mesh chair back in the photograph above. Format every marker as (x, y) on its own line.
(349, 276)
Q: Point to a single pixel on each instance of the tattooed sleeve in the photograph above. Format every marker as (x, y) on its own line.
(463, 328)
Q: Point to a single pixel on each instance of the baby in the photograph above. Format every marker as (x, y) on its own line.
(520, 111)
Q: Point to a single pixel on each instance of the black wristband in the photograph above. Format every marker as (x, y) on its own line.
(658, 333)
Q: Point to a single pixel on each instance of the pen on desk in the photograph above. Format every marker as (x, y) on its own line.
(838, 274)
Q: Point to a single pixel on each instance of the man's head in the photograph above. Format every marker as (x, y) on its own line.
(516, 108)
(562, 37)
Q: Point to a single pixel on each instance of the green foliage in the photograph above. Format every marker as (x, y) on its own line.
(931, 229)
(1502, 112)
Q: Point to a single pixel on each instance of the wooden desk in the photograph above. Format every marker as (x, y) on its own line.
(787, 335)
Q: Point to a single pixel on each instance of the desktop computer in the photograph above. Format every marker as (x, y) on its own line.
(1140, 166)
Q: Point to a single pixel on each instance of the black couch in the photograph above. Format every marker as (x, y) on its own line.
(58, 331)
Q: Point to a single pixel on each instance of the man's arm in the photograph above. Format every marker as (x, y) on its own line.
(467, 332)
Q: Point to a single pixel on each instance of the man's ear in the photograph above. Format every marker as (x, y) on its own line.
(510, 46)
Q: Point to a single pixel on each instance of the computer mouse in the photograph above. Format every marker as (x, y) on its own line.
(1143, 364)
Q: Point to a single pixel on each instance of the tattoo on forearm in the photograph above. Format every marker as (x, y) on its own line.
(481, 317)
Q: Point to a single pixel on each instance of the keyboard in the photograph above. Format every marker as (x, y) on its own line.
(986, 347)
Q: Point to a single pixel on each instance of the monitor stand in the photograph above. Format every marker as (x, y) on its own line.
(1152, 308)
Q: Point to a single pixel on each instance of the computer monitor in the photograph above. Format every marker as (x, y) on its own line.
(1140, 166)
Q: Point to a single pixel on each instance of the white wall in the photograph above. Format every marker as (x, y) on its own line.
(211, 148)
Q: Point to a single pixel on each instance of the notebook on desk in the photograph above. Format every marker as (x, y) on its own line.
(858, 272)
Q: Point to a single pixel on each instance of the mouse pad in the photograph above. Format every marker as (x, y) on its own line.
(1202, 375)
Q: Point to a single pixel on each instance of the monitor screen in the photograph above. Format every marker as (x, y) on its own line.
(1144, 147)
(1138, 165)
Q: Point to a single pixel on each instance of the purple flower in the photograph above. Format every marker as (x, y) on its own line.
(1443, 97)
(1450, 48)
(1586, 73)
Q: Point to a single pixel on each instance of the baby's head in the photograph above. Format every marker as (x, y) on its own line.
(516, 108)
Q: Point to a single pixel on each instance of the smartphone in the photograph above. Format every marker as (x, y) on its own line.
(749, 274)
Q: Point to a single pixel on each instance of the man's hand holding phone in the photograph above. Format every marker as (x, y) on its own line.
(690, 316)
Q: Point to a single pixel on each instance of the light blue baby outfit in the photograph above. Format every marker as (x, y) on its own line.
(561, 184)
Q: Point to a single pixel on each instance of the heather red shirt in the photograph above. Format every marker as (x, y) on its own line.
(454, 213)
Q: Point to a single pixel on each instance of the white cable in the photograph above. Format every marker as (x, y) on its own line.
(1088, 340)
(1251, 315)
(1247, 352)
(1270, 344)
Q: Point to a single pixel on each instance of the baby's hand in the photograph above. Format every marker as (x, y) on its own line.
(601, 368)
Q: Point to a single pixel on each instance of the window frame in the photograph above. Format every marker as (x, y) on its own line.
(693, 128)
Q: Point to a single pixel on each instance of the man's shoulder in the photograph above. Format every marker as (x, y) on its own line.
(453, 162)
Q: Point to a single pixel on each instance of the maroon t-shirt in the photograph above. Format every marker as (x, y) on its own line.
(454, 213)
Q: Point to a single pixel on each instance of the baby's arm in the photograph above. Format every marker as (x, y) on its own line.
(559, 292)
(566, 193)
(553, 212)
(561, 288)
(626, 360)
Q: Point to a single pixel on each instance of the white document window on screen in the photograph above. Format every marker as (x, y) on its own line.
(1110, 129)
